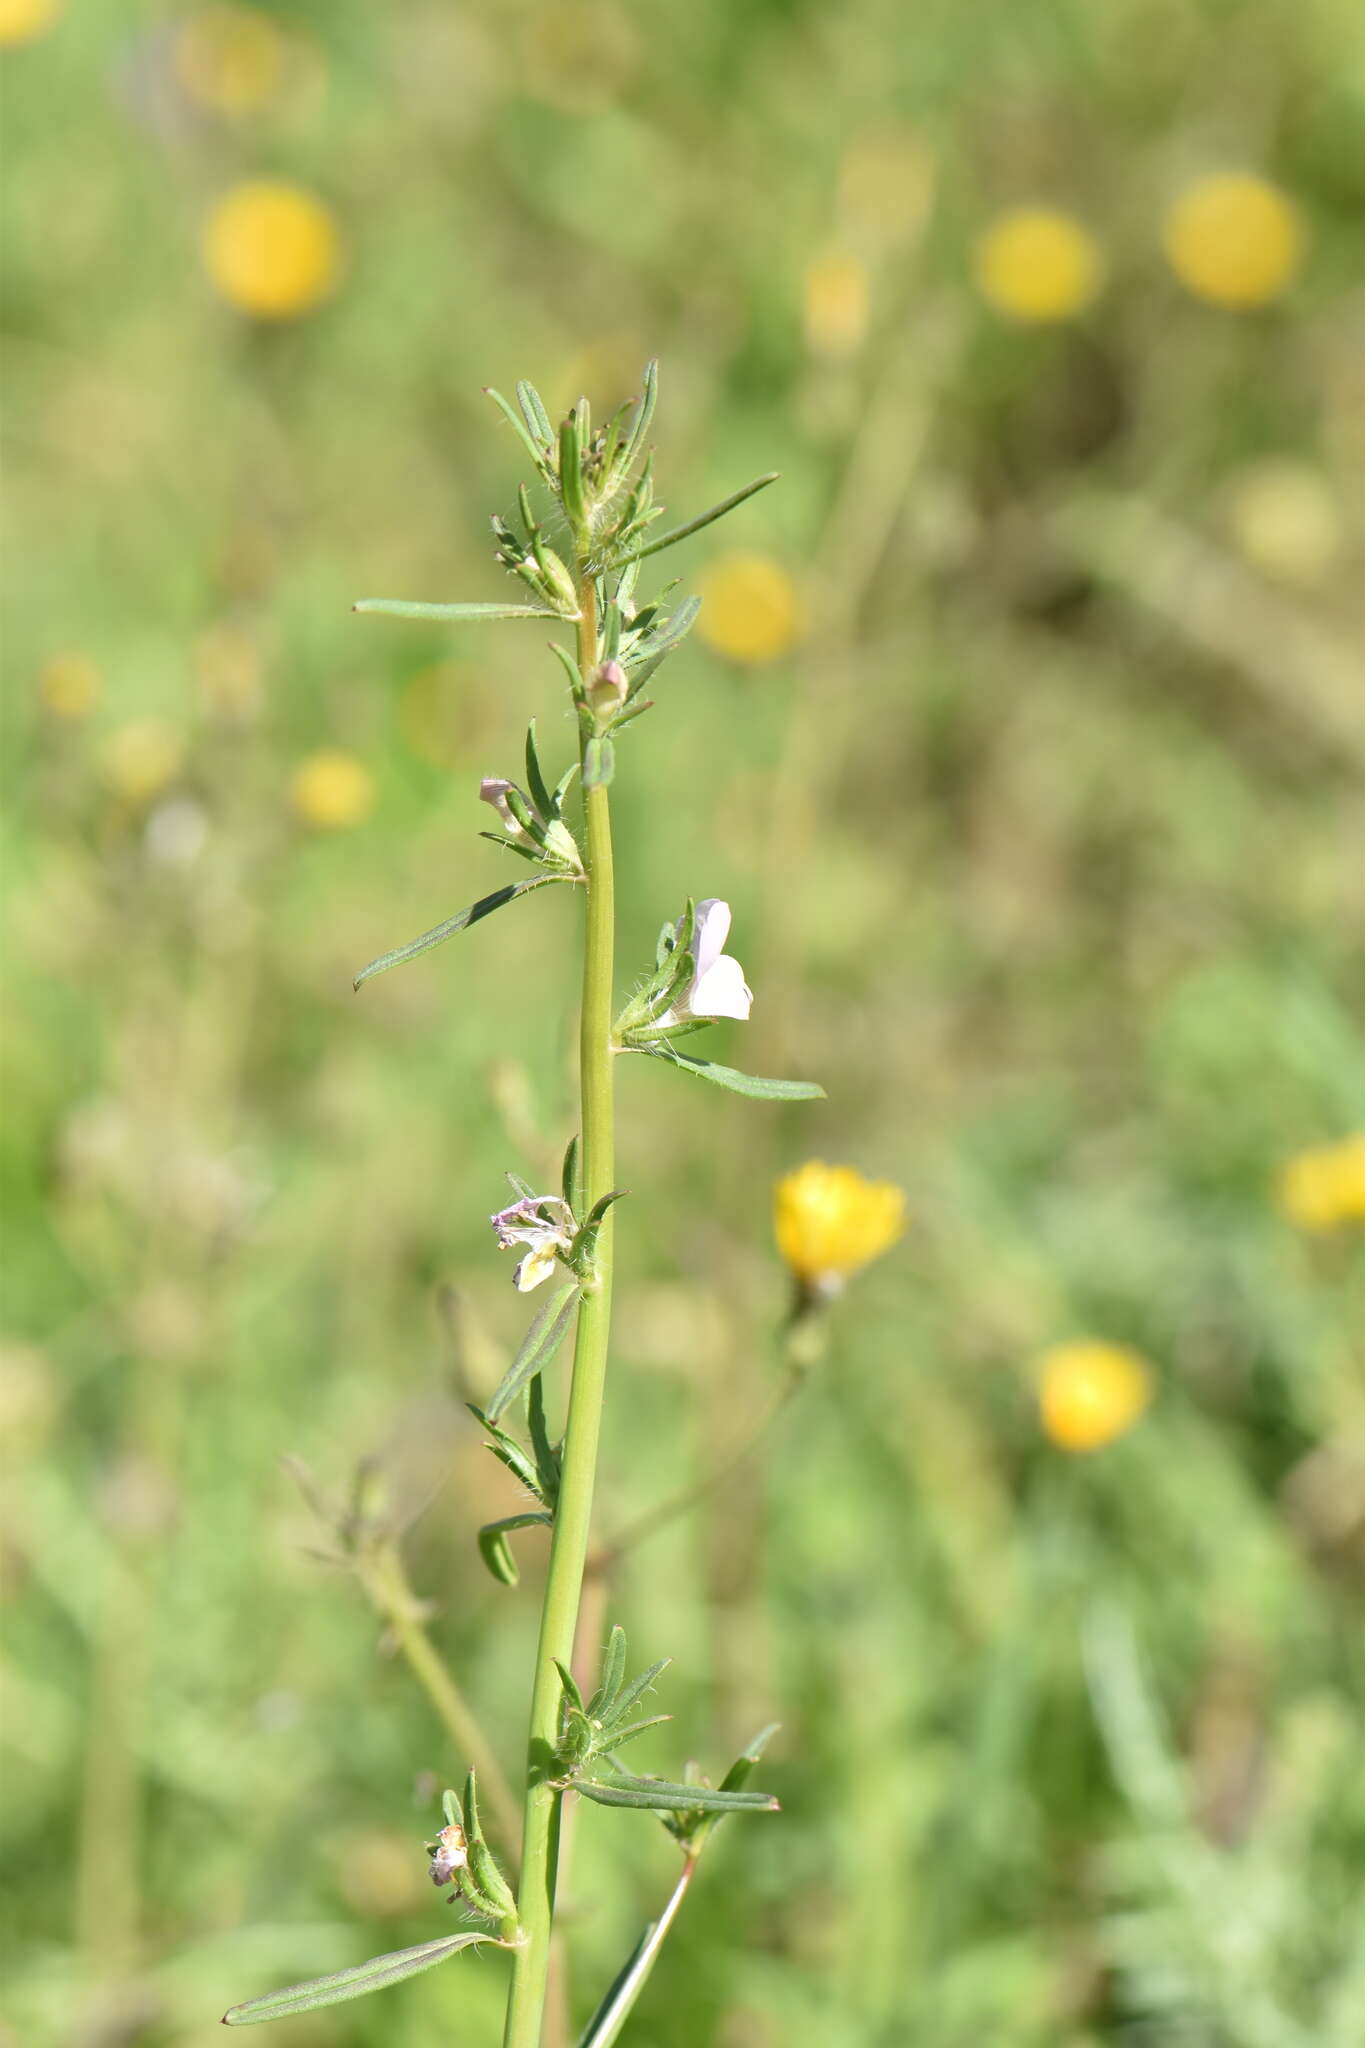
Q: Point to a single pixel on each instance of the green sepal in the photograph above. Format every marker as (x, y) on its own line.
(405, 608)
(374, 1975)
(571, 473)
(707, 518)
(462, 919)
(639, 426)
(585, 1241)
(490, 1890)
(538, 1348)
(562, 654)
(573, 1696)
(657, 1795)
(571, 1183)
(534, 854)
(599, 762)
(758, 1086)
(533, 410)
(496, 1551)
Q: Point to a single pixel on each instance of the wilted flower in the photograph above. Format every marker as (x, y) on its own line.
(1037, 264)
(1325, 1186)
(718, 987)
(830, 1221)
(545, 1225)
(751, 610)
(1090, 1392)
(272, 249)
(548, 835)
(1234, 239)
(449, 1853)
(331, 790)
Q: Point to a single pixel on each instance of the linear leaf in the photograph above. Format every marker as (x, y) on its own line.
(638, 1687)
(613, 1672)
(536, 454)
(411, 608)
(656, 1795)
(539, 1346)
(611, 2015)
(758, 1086)
(496, 1551)
(735, 1779)
(677, 533)
(533, 408)
(485, 907)
(375, 1975)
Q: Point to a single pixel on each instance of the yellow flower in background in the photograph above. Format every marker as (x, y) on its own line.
(830, 1221)
(1089, 1393)
(1285, 519)
(1037, 264)
(331, 790)
(886, 185)
(138, 760)
(230, 59)
(69, 686)
(21, 21)
(272, 249)
(1235, 240)
(836, 305)
(751, 609)
(227, 668)
(1325, 1186)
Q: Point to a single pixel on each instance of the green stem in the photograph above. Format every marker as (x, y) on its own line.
(392, 1597)
(573, 1514)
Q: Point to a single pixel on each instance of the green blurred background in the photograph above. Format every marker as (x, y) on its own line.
(1024, 730)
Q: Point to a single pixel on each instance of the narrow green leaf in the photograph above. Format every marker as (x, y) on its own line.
(570, 1685)
(562, 654)
(508, 1452)
(677, 533)
(495, 1550)
(535, 781)
(571, 473)
(570, 1185)
(656, 1795)
(617, 1738)
(375, 1975)
(539, 1346)
(547, 1458)
(405, 608)
(613, 1671)
(605, 2026)
(644, 413)
(638, 1687)
(532, 853)
(536, 454)
(485, 907)
(757, 1086)
(735, 1779)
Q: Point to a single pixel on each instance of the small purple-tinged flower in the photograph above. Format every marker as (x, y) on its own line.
(545, 1225)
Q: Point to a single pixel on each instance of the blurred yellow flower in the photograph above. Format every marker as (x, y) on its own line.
(751, 609)
(836, 305)
(1037, 264)
(22, 20)
(69, 686)
(1325, 1186)
(332, 789)
(272, 249)
(886, 185)
(1089, 1393)
(227, 667)
(1285, 520)
(830, 1221)
(138, 760)
(230, 59)
(1234, 239)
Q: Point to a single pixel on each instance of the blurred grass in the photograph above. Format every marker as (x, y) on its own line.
(1046, 840)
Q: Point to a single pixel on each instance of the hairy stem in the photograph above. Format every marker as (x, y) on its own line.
(573, 1515)
(386, 1583)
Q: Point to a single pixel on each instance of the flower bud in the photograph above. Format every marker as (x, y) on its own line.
(608, 689)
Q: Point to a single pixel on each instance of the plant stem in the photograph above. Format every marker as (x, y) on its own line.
(386, 1583)
(573, 1514)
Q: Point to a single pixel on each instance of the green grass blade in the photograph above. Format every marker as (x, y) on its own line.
(375, 1975)
(611, 2015)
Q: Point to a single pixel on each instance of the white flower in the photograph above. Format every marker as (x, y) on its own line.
(545, 1225)
(718, 987)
